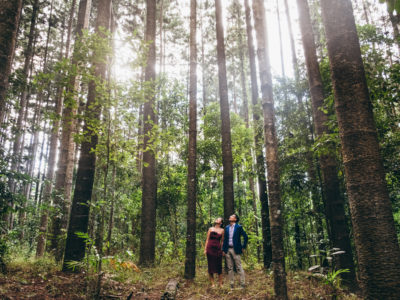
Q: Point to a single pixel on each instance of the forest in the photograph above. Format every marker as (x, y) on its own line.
(129, 127)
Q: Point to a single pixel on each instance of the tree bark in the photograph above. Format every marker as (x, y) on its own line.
(41, 240)
(149, 185)
(260, 161)
(293, 50)
(190, 262)
(65, 166)
(203, 64)
(297, 239)
(375, 237)
(75, 246)
(225, 117)
(334, 202)
(23, 103)
(271, 145)
(111, 218)
(10, 12)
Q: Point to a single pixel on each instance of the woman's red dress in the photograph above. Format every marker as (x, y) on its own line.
(214, 253)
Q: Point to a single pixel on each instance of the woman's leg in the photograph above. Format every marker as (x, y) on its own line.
(220, 279)
(211, 277)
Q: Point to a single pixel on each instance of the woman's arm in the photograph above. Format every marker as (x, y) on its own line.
(205, 245)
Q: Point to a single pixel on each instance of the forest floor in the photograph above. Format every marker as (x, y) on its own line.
(41, 279)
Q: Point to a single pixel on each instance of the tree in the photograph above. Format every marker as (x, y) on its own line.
(334, 202)
(54, 137)
(65, 165)
(23, 102)
(225, 116)
(190, 262)
(75, 244)
(271, 145)
(149, 185)
(10, 12)
(258, 132)
(375, 237)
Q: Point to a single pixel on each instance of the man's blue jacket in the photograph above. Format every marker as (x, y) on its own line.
(237, 243)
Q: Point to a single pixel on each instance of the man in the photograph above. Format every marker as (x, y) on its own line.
(233, 248)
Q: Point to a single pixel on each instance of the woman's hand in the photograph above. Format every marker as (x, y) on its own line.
(205, 252)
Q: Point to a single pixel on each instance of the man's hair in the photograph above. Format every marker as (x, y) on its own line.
(237, 218)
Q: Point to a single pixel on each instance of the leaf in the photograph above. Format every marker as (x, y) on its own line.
(313, 268)
(338, 252)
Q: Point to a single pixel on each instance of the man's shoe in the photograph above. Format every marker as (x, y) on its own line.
(232, 286)
(243, 286)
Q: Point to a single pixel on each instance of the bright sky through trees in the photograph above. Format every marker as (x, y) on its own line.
(125, 53)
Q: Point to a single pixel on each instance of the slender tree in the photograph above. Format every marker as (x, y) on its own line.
(65, 165)
(258, 141)
(75, 245)
(25, 87)
(271, 145)
(149, 185)
(190, 263)
(10, 12)
(54, 137)
(394, 19)
(225, 116)
(111, 217)
(245, 103)
(334, 202)
(375, 237)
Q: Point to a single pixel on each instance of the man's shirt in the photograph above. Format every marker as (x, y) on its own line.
(231, 230)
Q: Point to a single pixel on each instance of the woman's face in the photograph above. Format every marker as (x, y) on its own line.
(218, 221)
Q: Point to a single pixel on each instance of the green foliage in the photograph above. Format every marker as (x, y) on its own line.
(333, 279)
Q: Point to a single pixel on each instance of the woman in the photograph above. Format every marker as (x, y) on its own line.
(213, 250)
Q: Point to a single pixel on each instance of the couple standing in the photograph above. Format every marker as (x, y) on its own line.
(232, 248)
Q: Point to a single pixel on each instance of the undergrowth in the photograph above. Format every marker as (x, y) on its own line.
(42, 277)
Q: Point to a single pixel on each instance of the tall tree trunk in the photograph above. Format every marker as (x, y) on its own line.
(258, 141)
(307, 126)
(111, 218)
(203, 64)
(190, 262)
(281, 44)
(69, 31)
(149, 185)
(366, 11)
(161, 23)
(375, 237)
(246, 113)
(65, 166)
(10, 12)
(23, 103)
(334, 202)
(225, 116)
(297, 239)
(75, 246)
(395, 24)
(271, 145)
(293, 50)
(36, 125)
(48, 188)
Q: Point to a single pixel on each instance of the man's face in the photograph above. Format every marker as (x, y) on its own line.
(232, 219)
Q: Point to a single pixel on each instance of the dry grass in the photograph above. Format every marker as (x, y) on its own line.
(40, 279)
